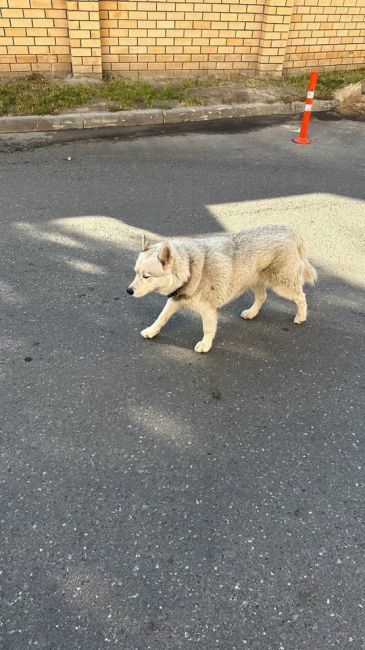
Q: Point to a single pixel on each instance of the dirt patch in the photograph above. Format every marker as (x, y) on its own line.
(240, 93)
(351, 99)
(353, 107)
(211, 92)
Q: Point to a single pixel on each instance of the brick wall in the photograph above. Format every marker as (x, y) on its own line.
(326, 34)
(86, 37)
(84, 32)
(34, 37)
(178, 37)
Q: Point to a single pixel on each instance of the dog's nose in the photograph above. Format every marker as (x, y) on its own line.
(130, 291)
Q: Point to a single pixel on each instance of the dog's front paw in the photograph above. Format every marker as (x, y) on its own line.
(203, 346)
(149, 332)
(249, 314)
(298, 320)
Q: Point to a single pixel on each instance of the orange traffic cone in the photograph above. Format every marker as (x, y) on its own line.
(303, 135)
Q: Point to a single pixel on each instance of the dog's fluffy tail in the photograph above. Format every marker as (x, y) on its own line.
(309, 272)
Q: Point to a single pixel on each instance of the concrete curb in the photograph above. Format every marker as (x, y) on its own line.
(152, 116)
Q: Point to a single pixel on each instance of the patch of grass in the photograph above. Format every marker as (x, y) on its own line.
(328, 82)
(36, 95)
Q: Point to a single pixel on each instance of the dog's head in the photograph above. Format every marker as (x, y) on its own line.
(154, 270)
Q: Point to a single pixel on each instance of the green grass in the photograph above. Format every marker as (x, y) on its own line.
(37, 95)
(328, 82)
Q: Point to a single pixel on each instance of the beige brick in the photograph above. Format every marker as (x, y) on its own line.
(138, 49)
(175, 33)
(208, 65)
(201, 41)
(110, 58)
(210, 33)
(46, 58)
(157, 66)
(201, 24)
(60, 49)
(15, 32)
(21, 22)
(42, 22)
(56, 31)
(165, 24)
(174, 66)
(135, 66)
(109, 41)
(182, 57)
(121, 15)
(165, 41)
(26, 58)
(137, 15)
(11, 13)
(52, 13)
(163, 58)
(192, 65)
(157, 15)
(42, 4)
(156, 33)
(176, 15)
(91, 42)
(173, 49)
(91, 60)
(147, 41)
(147, 6)
(21, 67)
(81, 51)
(18, 49)
(183, 41)
(224, 65)
(210, 49)
(25, 41)
(146, 58)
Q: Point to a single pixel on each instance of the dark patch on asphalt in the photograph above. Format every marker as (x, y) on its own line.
(11, 142)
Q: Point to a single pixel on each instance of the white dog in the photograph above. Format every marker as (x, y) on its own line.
(203, 274)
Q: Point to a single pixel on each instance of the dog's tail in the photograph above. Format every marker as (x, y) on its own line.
(309, 272)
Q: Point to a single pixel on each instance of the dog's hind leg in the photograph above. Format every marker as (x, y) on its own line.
(171, 307)
(260, 297)
(209, 317)
(298, 296)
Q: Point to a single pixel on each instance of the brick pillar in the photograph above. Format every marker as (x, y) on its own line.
(274, 36)
(84, 33)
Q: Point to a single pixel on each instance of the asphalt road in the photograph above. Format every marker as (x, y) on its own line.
(151, 497)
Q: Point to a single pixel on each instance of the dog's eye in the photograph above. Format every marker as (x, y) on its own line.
(145, 276)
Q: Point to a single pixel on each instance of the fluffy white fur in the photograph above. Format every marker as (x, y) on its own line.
(205, 273)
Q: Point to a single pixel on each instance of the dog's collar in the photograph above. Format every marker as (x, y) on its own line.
(177, 293)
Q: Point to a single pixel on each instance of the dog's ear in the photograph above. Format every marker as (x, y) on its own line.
(145, 243)
(165, 254)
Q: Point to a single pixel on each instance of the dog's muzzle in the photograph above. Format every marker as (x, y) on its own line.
(130, 291)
